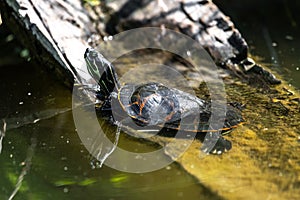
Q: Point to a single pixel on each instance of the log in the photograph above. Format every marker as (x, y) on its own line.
(200, 19)
(58, 31)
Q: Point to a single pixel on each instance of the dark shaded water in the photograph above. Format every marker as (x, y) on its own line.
(272, 30)
(58, 166)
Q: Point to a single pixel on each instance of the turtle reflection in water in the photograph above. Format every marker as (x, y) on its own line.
(155, 105)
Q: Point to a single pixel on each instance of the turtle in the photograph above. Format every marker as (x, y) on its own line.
(152, 104)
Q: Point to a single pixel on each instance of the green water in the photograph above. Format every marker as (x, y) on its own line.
(61, 168)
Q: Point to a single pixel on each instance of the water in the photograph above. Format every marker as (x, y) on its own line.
(61, 168)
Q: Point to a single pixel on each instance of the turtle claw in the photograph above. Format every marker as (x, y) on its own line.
(221, 146)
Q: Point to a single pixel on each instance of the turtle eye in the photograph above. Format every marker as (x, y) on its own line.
(93, 54)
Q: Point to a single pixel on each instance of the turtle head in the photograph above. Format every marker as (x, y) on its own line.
(102, 71)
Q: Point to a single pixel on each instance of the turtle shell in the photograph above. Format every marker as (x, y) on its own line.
(155, 104)
(149, 104)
